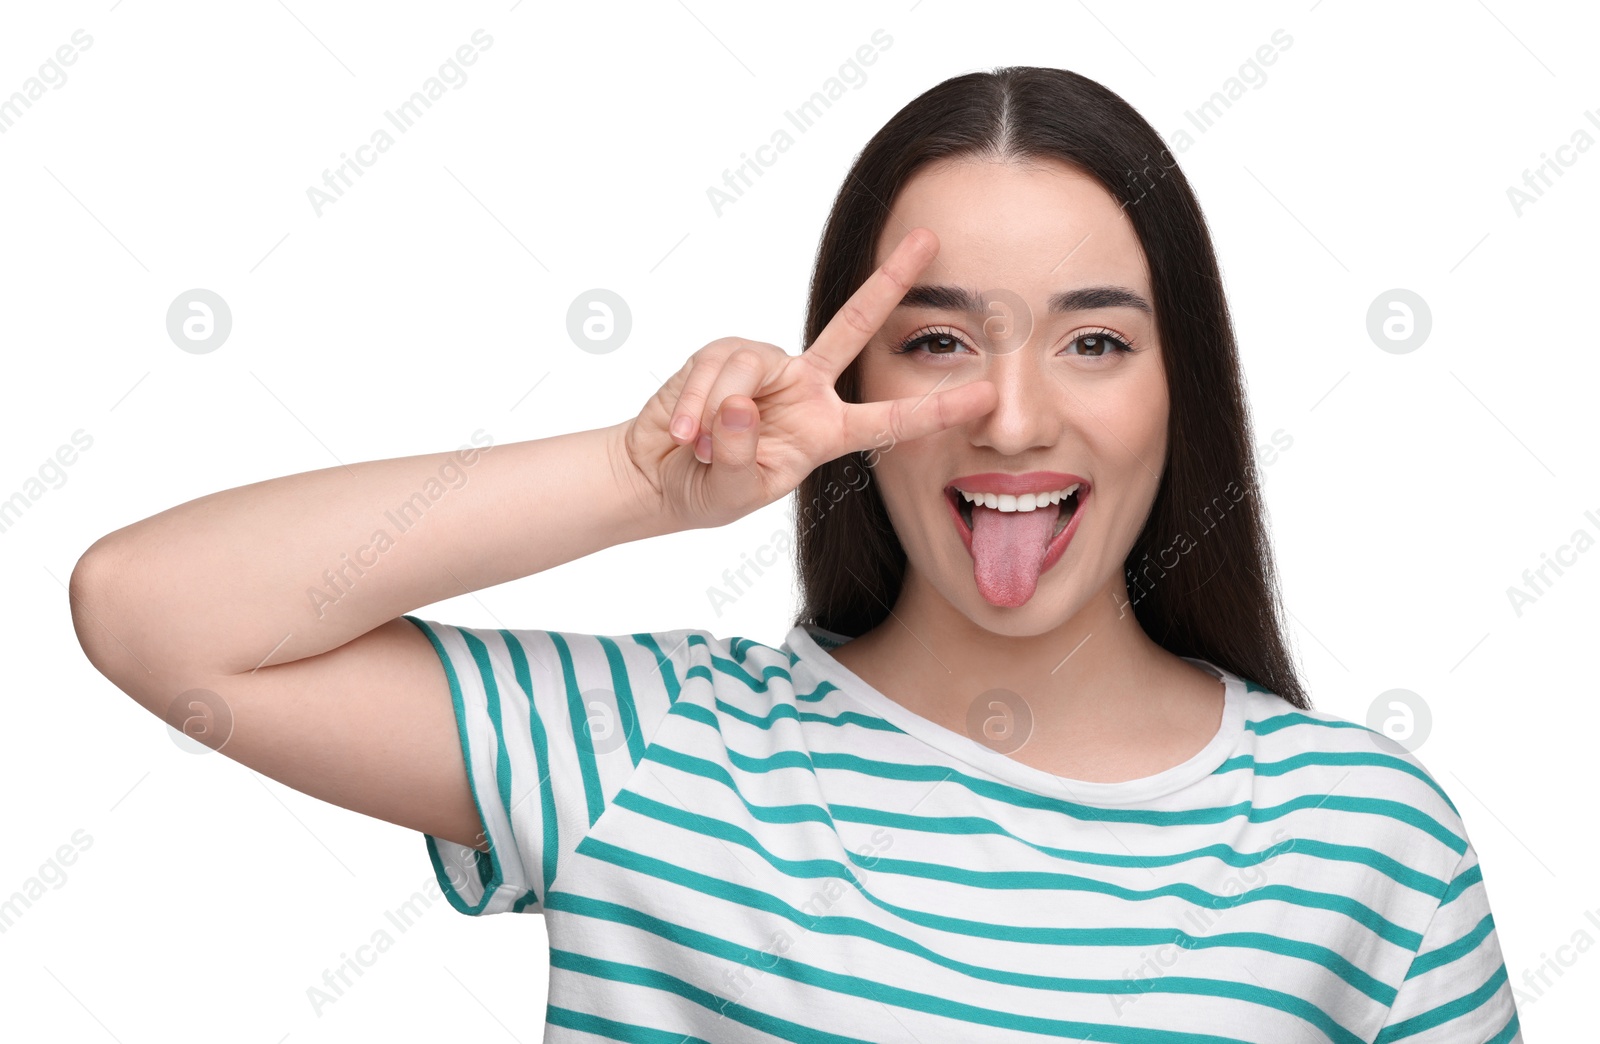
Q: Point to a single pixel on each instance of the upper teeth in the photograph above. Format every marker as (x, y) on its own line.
(1025, 502)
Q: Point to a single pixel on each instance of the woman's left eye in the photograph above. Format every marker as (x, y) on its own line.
(1097, 343)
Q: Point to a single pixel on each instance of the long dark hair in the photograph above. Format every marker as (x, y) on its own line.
(1200, 575)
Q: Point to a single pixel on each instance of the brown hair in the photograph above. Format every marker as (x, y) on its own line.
(1218, 600)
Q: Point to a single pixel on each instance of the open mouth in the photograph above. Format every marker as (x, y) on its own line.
(1014, 539)
(1066, 509)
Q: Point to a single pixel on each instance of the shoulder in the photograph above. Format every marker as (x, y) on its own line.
(1349, 783)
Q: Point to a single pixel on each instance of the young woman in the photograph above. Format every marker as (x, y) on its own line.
(1032, 763)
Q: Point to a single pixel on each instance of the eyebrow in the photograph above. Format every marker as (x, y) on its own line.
(960, 299)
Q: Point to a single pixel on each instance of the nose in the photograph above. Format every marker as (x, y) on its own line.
(1030, 409)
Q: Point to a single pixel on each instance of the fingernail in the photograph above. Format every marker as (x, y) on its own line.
(737, 418)
(702, 449)
(682, 426)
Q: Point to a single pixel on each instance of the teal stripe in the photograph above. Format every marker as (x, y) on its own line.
(1037, 935)
(1267, 726)
(1097, 813)
(627, 709)
(669, 677)
(828, 641)
(1330, 758)
(1508, 1032)
(446, 879)
(739, 648)
(818, 694)
(992, 880)
(865, 721)
(491, 689)
(1448, 954)
(633, 974)
(736, 671)
(872, 989)
(974, 825)
(1444, 1013)
(789, 711)
(1005, 880)
(583, 739)
(611, 1029)
(551, 823)
(1465, 880)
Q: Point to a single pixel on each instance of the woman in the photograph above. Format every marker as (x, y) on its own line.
(1033, 759)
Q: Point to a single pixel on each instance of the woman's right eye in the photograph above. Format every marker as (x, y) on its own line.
(939, 342)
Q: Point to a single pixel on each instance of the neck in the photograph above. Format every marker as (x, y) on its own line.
(1094, 694)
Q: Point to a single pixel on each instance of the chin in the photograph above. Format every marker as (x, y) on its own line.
(1051, 607)
(1039, 615)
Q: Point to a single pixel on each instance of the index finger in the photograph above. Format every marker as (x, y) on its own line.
(853, 325)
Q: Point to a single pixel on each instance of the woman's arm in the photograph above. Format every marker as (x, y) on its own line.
(281, 598)
(292, 567)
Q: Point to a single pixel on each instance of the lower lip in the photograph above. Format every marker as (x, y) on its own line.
(1053, 551)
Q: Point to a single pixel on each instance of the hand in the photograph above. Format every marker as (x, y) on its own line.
(753, 420)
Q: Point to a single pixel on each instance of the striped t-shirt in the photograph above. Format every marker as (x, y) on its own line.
(735, 842)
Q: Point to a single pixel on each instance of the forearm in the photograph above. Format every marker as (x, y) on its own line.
(295, 566)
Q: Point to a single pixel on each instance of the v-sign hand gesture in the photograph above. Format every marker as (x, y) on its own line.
(743, 422)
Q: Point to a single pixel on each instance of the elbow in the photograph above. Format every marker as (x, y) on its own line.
(93, 592)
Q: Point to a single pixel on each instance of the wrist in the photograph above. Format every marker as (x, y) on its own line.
(649, 515)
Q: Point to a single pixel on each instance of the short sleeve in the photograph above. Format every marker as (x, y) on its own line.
(1457, 990)
(551, 725)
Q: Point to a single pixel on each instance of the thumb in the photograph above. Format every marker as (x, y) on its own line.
(735, 430)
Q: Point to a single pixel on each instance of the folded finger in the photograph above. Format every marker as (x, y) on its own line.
(742, 373)
(687, 412)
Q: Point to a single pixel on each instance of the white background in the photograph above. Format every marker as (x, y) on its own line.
(431, 298)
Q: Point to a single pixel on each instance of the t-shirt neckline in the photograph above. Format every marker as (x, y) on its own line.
(811, 644)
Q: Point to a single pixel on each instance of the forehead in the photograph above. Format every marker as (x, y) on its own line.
(1033, 227)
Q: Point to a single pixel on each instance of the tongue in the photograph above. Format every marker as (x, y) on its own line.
(1008, 551)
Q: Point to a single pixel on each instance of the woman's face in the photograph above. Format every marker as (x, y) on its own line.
(1014, 239)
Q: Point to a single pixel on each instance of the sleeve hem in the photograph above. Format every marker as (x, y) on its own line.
(476, 883)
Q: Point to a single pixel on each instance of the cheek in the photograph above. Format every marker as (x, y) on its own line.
(1127, 441)
(898, 470)
(1138, 417)
(908, 479)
